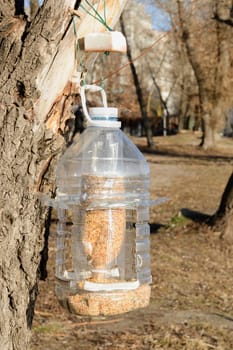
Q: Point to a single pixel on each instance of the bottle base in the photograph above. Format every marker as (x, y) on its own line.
(106, 304)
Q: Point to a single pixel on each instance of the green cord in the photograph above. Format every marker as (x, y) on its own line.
(78, 56)
(103, 21)
(95, 11)
(99, 17)
(74, 26)
(105, 17)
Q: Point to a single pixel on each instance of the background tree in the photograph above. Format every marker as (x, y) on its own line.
(151, 57)
(205, 32)
(223, 13)
(165, 75)
(208, 50)
(144, 115)
(119, 82)
(214, 74)
(37, 63)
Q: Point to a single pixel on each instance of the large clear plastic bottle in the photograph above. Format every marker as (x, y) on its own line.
(103, 247)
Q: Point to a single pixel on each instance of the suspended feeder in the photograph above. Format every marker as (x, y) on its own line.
(103, 236)
(102, 201)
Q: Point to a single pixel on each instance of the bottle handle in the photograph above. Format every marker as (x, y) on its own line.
(93, 88)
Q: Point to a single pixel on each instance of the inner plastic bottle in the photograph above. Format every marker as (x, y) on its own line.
(103, 247)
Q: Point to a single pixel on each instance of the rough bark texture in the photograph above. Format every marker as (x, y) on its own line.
(227, 198)
(30, 83)
(25, 147)
(223, 218)
(34, 6)
(7, 8)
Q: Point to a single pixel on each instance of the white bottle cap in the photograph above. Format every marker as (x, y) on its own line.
(103, 116)
(99, 116)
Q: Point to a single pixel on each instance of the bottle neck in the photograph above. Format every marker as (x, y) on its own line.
(103, 117)
(104, 124)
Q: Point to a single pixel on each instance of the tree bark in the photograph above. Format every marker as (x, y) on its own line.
(208, 136)
(37, 61)
(222, 220)
(34, 6)
(166, 113)
(226, 203)
(25, 148)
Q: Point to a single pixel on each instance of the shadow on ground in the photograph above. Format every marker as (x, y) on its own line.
(195, 216)
(199, 154)
(154, 227)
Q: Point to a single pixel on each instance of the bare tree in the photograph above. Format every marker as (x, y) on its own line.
(205, 31)
(209, 63)
(214, 91)
(137, 84)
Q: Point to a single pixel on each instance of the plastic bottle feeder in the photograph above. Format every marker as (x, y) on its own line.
(103, 236)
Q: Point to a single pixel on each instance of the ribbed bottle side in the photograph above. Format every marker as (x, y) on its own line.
(109, 221)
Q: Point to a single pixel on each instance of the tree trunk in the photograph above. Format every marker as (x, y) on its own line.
(27, 150)
(163, 102)
(37, 60)
(208, 132)
(206, 91)
(146, 123)
(7, 9)
(223, 218)
(226, 203)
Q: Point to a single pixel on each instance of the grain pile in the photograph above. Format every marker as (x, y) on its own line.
(105, 304)
(103, 237)
(103, 229)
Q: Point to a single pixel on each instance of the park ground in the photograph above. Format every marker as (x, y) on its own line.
(191, 305)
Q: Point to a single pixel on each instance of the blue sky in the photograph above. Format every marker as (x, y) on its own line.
(26, 2)
(160, 19)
